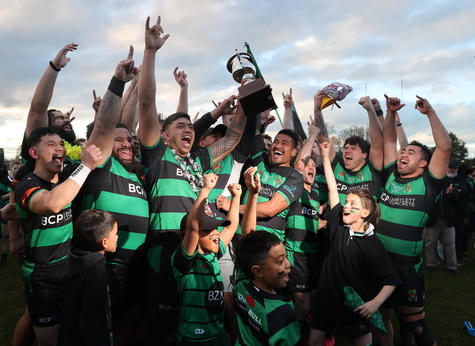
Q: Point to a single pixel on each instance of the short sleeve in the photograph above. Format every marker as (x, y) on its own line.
(95, 179)
(205, 157)
(387, 170)
(25, 190)
(292, 187)
(181, 261)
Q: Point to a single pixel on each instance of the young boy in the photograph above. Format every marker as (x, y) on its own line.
(86, 316)
(197, 272)
(265, 313)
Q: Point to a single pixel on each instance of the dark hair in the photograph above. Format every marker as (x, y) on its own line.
(292, 134)
(425, 150)
(266, 136)
(359, 141)
(91, 227)
(167, 122)
(51, 115)
(253, 248)
(37, 134)
(368, 202)
(90, 128)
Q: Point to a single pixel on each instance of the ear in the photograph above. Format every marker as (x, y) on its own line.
(165, 135)
(33, 153)
(294, 152)
(257, 271)
(365, 213)
(103, 243)
(423, 163)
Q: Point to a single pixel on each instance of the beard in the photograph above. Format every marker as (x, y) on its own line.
(129, 166)
(68, 136)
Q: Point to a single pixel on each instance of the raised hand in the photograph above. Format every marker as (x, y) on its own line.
(366, 103)
(97, 101)
(376, 104)
(125, 70)
(288, 100)
(318, 97)
(252, 180)
(180, 77)
(235, 190)
(209, 181)
(153, 38)
(423, 106)
(313, 130)
(223, 203)
(393, 104)
(69, 114)
(325, 148)
(91, 156)
(266, 118)
(227, 106)
(61, 59)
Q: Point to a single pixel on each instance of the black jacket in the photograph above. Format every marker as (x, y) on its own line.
(86, 316)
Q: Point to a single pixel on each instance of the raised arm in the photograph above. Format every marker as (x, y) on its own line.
(333, 197)
(51, 202)
(129, 116)
(180, 77)
(375, 134)
(401, 134)
(193, 222)
(225, 145)
(227, 232)
(37, 115)
(393, 105)
(306, 150)
(378, 110)
(288, 119)
(317, 113)
(253, 183)
(149, 127)
(108, 114)
(440, 159)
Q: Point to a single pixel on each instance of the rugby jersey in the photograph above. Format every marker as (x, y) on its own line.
(112, 188)
(47, 237)
(264, 318)
(302, 224)
(201, 291)
(274, 179)
(405, 207)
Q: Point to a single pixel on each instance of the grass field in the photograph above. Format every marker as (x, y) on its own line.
(450, 300)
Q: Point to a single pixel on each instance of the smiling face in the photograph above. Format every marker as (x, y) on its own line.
(353, 157)
(209, 241)
(354, 211)
(282, 150)
(49, 153)
(122, 146)
(274, 272)
(309, 172)
(410, 162)
(180, 135)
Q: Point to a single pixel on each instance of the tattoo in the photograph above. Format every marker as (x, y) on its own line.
(321, 125)
(226, 144)
(103, 114)
(305, 159)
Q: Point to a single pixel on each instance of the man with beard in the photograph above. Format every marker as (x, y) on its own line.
(39, 115)
(174, 178)
(43, 201)
(116, 186)
(360, 164)
(413, 181)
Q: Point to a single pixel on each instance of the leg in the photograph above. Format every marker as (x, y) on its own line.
(230, 321)
(364, 340)
(414, 319)
(316, 337)
(302, 304)
(24, 334)
(386, 339)
(448, 238)
(47, 336)
(431, 237)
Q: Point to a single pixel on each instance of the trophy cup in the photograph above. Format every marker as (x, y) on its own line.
(255, 94)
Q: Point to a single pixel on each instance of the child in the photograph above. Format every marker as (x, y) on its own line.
(356, 258)
(197, 272)
(86, 316)
(265, 313)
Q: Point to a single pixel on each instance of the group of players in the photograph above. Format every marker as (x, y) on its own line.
(219, 234)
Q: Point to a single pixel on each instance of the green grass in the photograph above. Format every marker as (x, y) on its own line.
(450, 300)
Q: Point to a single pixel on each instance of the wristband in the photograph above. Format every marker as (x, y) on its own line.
(116, 86)
(54, 67)
(398, 124)
(379, 112)
(79, 176)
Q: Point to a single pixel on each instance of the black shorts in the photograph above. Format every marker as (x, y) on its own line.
(44, 290)
(302, 277)
(412, 291)
(162, 291)
(325, 316)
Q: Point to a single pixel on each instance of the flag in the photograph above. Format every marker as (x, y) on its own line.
(296, 121)
(259, 74)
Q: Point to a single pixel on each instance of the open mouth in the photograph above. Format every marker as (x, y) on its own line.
(67, 128)
(277, 154)
(58, 160)
(186, 140)
(125, 154)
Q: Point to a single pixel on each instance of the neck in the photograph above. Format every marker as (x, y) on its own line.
(307, 187)
(358, 226)
(263, 286)
(357, 168)
(45, 175)
(418, 172)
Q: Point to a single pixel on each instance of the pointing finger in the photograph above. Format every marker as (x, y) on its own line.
(94, 94)
(131, 52)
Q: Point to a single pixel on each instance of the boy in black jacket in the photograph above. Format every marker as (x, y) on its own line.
(86, 311)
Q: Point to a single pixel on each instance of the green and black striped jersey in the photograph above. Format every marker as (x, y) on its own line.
(302, 224)
(283, 180)
(47, 237)
(201, 291)
(170, 194)
(264, 318)
(405, 207)
(112, 188)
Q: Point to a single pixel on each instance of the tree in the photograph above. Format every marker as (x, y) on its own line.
(459, 150)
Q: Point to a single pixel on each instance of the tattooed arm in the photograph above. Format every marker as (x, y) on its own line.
(108, 114)
(317, 112)
(225, 145)
(306, 151)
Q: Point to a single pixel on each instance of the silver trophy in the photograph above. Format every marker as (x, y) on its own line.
(255, 94)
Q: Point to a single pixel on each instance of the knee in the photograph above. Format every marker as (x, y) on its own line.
(422, 333)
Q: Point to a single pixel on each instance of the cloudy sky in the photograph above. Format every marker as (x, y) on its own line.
(370, 45)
